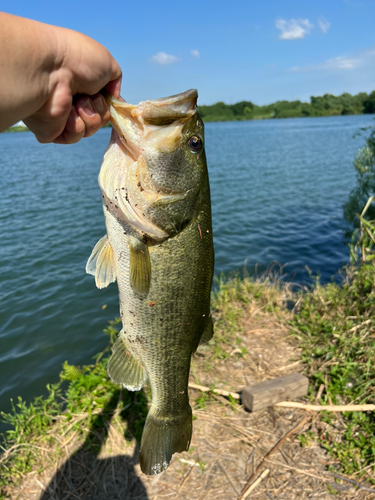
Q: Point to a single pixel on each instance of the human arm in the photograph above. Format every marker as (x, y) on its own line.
(46, 76)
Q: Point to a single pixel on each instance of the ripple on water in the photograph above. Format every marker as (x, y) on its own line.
(277, 191)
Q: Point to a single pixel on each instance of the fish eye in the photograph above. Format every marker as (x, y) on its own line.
(195, 144)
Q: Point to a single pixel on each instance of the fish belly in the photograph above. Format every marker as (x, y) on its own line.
(163, 329)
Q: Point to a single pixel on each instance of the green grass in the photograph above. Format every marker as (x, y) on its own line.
(335, 326)
(82, 402)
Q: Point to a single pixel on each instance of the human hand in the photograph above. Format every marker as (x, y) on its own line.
(74, 107)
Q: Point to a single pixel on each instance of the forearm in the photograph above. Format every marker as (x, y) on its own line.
(30, 56)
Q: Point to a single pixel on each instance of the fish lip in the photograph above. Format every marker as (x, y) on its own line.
(133, 122)
(187, 100)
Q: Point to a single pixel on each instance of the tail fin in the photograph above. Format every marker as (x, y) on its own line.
(163, 437)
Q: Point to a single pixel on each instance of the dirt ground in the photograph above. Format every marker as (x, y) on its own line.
(229, 444)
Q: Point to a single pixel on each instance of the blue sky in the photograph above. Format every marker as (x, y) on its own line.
(228, 50)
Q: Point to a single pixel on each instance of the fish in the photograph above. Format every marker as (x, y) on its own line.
(159, 247)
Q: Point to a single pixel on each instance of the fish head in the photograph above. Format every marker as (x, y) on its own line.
(155, 165)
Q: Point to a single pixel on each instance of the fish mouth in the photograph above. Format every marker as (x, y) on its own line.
(140, 130)
(158, 122)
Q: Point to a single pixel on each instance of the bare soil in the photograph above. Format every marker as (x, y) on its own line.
(228, 446)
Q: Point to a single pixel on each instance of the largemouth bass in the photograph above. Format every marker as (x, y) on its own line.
(156, 201)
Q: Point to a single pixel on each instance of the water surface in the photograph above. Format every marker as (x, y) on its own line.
(277, 186)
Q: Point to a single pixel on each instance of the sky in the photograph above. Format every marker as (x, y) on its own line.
(229, 50)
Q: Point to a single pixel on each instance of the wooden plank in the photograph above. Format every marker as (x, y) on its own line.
(274, 391)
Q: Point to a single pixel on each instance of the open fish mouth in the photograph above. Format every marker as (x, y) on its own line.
(141, 132)
(156, 122)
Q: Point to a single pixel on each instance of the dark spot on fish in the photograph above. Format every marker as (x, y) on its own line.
(126, 197)
(161, 319)
(131, 312)
(127, 354)
(151, 303)
(131, 324)
(116, 206)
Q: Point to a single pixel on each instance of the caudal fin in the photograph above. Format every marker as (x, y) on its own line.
(163, 437)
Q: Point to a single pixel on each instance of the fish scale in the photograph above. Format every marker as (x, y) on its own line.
(164, 282)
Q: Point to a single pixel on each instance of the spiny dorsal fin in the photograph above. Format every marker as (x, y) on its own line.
(140, 267)
(123, 368)
(101, 263)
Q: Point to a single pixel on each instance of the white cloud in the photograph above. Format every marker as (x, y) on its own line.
(324, 25)
(293, 29)
(163, 58)
(195, 53)
(346, 63)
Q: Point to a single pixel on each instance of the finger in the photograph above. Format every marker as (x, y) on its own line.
(75, 129)
(89, 114)
(114, 87)
(101, 107)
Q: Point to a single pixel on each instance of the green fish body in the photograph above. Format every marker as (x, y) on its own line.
(156, 202)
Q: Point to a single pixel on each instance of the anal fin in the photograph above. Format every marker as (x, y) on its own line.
(101, 263)
(140, 267)
(123, 368)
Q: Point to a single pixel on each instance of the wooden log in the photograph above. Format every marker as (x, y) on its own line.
(273, 391)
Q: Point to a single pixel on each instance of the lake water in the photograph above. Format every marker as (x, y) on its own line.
(278, 187)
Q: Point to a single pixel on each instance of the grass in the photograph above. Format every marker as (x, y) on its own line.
(81, 403)
(335, 328)
(333, 324)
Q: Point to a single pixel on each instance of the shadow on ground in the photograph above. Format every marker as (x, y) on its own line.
(88, 475)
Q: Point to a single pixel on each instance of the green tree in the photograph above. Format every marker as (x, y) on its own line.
(369, 104)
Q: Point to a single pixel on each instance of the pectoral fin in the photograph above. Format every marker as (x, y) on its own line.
(123, 368)
(140, 267)
(208, 331)
(101, 263)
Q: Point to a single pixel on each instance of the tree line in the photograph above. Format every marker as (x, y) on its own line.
(326, 105)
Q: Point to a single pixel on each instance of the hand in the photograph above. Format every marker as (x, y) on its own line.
(75, 108)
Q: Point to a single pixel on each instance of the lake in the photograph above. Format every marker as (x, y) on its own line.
(277, 188)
